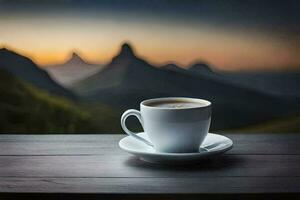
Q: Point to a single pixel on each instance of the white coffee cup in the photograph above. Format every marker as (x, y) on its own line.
(172, 130)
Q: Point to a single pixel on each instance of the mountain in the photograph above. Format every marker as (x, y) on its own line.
(200, 68)
(173, 67)
(197, 69)
(282, 84)
(128, 79)
(25, 108)
(27, 70)
(74, 70)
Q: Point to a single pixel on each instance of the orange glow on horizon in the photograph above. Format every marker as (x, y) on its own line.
(218, 59)
(48, 41)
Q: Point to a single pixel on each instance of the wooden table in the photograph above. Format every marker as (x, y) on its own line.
(93, 166)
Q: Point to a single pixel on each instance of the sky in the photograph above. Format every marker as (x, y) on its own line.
(229, 35)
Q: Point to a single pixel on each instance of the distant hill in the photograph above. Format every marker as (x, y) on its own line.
(25, 108)
(284, 84)
(173, 67)
(127, 80)
(74, 70)
(27, 70)
(197, 69)
(200, 68)
(281, 83)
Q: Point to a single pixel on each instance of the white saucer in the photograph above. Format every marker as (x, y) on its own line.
(212, 145)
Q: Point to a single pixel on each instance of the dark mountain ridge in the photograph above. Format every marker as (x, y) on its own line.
(127, 80)
(284, 84)
(27, 70)
(200, 67)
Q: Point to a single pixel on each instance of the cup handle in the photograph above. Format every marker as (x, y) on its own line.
(137, 114)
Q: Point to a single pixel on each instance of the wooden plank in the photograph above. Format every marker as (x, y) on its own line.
(250, 144)
(58, 137)
(128, 166)
(93, 164)
(92, 137)
(266, 144)
(151, 185)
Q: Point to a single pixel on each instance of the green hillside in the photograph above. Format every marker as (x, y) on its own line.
(27, 109)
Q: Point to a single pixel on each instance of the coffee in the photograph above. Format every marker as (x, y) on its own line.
(175, 104)
(173, 125)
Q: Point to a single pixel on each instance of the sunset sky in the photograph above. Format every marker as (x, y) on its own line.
(230, 35)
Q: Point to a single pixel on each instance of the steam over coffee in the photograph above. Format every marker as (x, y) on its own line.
(175, 104)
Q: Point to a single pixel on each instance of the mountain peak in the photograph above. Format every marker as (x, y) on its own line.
(126, 54)
(6, 53)
(75, 58)
(75, 54)
(127, 49)
(5, 50)
(200, 67)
